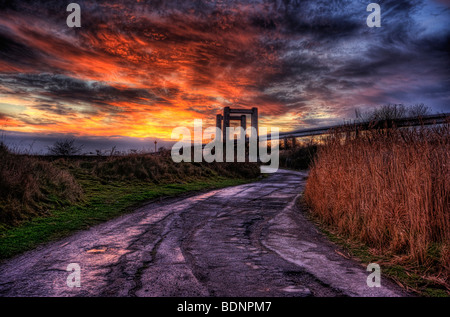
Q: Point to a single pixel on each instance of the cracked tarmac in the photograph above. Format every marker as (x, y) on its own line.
(248, 240)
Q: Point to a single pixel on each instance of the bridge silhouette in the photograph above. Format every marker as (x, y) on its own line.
(368, 125)
(223, 121)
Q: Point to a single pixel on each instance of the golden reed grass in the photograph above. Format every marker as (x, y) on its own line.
(389, 189)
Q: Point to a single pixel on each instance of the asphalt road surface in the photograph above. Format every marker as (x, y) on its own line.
(248, 240)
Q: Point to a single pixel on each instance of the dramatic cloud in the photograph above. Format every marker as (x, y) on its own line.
(139, 69)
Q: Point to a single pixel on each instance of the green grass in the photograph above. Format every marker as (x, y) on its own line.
(409, 277)
(102, 201)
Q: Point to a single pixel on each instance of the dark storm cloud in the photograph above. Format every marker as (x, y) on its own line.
(71, 89)
(397, 48)
(17, 53)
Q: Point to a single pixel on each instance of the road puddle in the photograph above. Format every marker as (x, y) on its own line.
(97, 250)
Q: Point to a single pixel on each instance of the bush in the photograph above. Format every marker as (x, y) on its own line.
(299, 157)
(65, 148)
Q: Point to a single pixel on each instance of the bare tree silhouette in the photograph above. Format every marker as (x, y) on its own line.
(65, 147)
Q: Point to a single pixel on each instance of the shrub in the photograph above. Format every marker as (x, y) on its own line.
(65, 148)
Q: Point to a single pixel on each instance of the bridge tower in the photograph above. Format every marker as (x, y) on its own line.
(223, 121)
(229, 114)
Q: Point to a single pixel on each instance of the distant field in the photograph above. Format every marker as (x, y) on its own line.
(46, 198)
(388, 189)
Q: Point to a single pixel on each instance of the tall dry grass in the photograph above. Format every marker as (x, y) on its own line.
(389, 189)
(30, 186)
(159, 169)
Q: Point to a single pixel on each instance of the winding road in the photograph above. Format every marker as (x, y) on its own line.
(247, 240)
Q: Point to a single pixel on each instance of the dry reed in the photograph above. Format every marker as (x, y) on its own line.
(389, 189)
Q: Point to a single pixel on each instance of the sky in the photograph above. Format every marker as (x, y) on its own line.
(135, 70)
